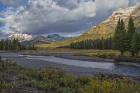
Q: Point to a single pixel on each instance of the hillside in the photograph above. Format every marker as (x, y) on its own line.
(106, 28)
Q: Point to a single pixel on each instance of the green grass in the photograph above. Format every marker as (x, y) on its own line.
(57, 82)
(87, 52)
(6, 85)
(6, 70)
(102, 54)
(109, 54)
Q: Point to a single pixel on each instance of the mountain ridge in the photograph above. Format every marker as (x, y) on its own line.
(45, 39)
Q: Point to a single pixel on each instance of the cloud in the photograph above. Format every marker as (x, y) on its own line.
(105, 7)
(58, 16)
(133, 2)
(41, 13)
(8, 2)
(112, 4)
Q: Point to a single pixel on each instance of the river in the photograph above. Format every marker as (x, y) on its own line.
(71, 65)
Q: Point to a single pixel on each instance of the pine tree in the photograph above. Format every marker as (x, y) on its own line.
(135, 44)
(120, 38)
(117, 35)
(131, 28)
(130, 33)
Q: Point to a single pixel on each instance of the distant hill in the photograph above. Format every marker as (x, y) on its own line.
(106, 28)
(37, 40)
(55, 37)
(45, 39)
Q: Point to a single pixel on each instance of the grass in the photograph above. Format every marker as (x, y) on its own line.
(51, 80)
(111, 54)
(55, 81)
(7, 70)
(86, 52)
(101, 53)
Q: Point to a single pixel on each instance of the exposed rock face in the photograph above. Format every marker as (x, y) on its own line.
(122, 13)
(21, 37)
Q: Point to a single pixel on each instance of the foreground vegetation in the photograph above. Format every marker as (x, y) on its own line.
(14, 79)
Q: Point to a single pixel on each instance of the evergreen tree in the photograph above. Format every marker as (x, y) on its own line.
(92, 44)
(14, 45)
(130, 33)
(117, 35)
(131, 28)
(120, 38)
(135, 44)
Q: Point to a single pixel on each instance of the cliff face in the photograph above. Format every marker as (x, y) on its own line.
(106, 28)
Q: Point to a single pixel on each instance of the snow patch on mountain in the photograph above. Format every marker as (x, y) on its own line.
(21, 37)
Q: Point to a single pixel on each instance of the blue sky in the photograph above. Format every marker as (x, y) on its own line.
(65, 17)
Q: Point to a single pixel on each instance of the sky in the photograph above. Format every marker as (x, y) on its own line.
(64, 17)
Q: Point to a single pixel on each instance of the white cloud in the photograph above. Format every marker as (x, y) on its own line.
(54, 12)
(133, 2)
(106, 5)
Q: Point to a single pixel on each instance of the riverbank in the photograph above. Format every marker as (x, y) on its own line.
(86, 55)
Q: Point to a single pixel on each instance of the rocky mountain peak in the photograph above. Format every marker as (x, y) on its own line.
(123, 13)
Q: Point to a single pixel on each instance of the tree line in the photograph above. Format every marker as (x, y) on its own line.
(93, 44)
(14, 45)
(124, 39)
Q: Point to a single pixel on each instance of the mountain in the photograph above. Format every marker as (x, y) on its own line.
(55, 37)
(37, 40)
(44, 40)
(106, 28)
(21, 37)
